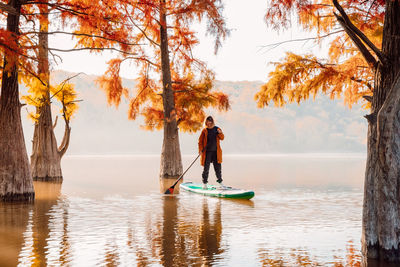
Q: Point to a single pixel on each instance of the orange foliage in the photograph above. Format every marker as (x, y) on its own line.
(132, 28)
(112, 84)
(139, 26)
(34, 69)
(344, 73)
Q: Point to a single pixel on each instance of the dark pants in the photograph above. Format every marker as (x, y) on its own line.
(211, 156)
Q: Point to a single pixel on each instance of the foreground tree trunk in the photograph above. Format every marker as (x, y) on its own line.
(171, 161)
(15, 175)
(46, 157)
(381, 217)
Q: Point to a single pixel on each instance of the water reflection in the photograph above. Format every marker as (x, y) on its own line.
(301, 257)
(13, 221)
(111, 218)
(172, 231)
(46, 197)
(25, 228)
(169, 245)
(189, 236)
(38, 241)
(210, 233)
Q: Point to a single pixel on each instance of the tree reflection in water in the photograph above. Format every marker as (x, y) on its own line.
(14, 218)
(300, 257)
(170, 231)
(37, 236)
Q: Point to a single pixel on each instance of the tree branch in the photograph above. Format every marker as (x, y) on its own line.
(275, 45)
(55, 123)
(90, 48)
(358, 43)
(64, 82)
(143, 32)
(33, 74)
(67, 132)
(84, 34)
(144, 59)
(358, 33)
(65, 142)
(368, 98)
(8, 9)
(362, 82)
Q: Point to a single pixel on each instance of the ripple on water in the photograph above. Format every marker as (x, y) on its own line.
(280, 226)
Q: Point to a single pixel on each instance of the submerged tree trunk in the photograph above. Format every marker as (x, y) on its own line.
(15, 175)
(381, 209)
(171, 161)
(46, 157)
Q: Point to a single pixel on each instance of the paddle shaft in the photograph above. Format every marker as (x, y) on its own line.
(180, 177)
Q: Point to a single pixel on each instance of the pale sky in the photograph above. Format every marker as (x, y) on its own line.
(240, 58)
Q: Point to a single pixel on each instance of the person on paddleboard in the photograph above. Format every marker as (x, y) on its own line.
(210, 150)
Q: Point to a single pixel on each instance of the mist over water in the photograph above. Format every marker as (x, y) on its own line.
(108, 211)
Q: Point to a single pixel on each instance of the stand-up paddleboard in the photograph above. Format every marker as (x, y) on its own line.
(216, 191)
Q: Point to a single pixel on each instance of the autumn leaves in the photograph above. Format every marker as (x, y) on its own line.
(343, 73)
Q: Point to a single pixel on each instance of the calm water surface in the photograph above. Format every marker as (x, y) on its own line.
(109, 212)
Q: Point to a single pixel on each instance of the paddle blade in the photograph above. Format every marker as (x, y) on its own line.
(169, 191)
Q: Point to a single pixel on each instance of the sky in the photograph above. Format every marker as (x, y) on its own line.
(242, 56)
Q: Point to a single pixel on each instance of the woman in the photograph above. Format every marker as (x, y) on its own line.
(210, 150)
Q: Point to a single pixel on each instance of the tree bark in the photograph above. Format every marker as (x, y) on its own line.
(171, 161)
(381, 217)
(45, 158)
(15, 175)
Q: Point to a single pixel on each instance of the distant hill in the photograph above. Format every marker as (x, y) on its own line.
(316, 126)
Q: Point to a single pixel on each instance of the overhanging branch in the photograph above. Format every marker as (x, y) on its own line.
(351, 27)
(8, 9)
(90, 48)
(275, 45)
(87, 35)
(359, 44)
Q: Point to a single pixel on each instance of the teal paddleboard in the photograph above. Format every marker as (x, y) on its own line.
(217, 191)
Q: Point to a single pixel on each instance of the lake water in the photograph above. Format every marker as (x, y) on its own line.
(109, 212)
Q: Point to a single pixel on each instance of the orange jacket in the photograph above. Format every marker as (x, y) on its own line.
(203, 145)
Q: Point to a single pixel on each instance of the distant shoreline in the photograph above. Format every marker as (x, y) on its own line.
(267, 155)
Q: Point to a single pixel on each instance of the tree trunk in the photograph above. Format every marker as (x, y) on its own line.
(15, 175)
(381, 220)
(171, 161)
(45, 158)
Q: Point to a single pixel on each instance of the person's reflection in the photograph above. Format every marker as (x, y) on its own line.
(210, 233)
(178, 237)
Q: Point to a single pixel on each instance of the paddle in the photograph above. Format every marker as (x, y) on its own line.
(171, 189)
